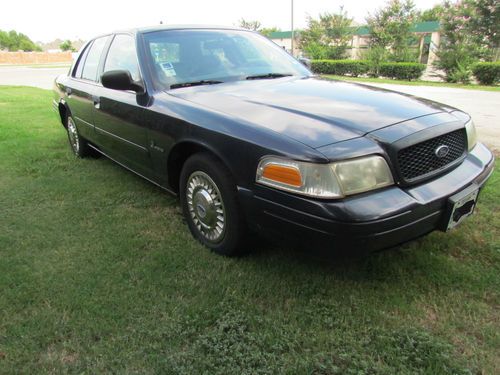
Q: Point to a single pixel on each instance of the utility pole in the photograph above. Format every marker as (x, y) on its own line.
(293, 32)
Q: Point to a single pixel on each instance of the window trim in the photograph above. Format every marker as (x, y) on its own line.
(81, 59)
(144, 66)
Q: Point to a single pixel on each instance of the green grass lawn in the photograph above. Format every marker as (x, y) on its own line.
(413, 83)
(99, 273)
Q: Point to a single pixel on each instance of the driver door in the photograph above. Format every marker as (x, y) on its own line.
(119, 115)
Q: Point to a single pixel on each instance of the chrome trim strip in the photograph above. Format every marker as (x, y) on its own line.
(85, 122)
(87, 81)
(122, 139)
(131, 170)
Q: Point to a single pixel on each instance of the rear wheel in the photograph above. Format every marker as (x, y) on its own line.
(208, 196)
(78, 145)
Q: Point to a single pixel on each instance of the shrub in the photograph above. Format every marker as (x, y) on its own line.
(461, 74)
(455, 61)
(340, 67)
(406, 71)
(375, 55)
(487, 73)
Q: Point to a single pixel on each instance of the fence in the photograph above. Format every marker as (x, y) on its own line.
(34, 57)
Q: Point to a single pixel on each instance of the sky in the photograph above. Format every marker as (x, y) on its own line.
(47, 20)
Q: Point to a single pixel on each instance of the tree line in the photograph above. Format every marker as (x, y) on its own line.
(14, 41)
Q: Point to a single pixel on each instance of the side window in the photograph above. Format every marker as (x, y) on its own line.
(77, 73)
(92, 60)
(122, 55)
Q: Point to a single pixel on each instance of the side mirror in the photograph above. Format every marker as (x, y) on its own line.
(121, 80)
(305, 61)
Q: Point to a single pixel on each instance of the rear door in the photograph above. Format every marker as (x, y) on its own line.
(80, 93)
(118, 115)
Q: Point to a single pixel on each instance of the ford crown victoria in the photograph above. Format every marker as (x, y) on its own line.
(251, 140)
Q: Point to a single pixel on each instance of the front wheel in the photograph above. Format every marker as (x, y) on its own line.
(208, 196)
(78, 145)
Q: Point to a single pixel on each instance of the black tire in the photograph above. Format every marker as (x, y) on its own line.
(78, 144)
(206, 188)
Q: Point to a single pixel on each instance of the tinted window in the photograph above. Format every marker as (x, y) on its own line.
(122, 56)
(92, 60)
(79, 67)
(180, 56)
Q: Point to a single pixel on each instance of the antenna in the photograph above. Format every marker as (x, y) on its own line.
(293, 33)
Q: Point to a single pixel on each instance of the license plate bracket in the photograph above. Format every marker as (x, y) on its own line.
(461, 206)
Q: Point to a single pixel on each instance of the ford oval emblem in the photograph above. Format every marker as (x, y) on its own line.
(441, 151)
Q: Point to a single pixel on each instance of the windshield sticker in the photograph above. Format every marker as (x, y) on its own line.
(168, 69)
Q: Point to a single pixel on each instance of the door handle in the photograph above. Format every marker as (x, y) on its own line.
(97, 101)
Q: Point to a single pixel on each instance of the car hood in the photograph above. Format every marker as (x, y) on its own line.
(313, 111)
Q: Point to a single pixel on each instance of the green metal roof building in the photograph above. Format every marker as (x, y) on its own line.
(426, 33)
(364, 30)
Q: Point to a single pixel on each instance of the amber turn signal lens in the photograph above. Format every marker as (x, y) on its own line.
(283, 174)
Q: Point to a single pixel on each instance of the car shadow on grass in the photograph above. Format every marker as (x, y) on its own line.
(417, 266)
(414, 267)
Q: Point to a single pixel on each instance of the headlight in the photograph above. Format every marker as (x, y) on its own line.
(470, 128)
(359, 175)
(334, 180)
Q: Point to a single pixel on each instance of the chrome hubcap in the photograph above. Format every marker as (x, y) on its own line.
(73, 135)
(205, 205)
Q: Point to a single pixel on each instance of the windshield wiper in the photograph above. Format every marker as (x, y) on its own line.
(269, 75)
(194, 83)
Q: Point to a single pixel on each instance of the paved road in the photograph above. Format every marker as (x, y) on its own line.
(484, 106)
(28, 76)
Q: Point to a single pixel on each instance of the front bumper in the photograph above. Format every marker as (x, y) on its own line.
(370, 221)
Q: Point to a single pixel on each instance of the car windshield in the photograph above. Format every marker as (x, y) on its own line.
(182, 58)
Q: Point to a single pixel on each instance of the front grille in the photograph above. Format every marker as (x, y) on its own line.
(420, 159)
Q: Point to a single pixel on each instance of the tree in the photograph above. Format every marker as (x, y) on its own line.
(485, 26)
(390, 30)
(249, 25)
(67, 46)
(4, 40)
(432, 14)
(327, 37)
(256, 26)
(459, 48)
(13, 41)
(267, 31)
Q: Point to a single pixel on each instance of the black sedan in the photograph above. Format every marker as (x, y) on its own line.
(251, 140)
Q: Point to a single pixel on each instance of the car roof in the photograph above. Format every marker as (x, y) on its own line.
(148, 29)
